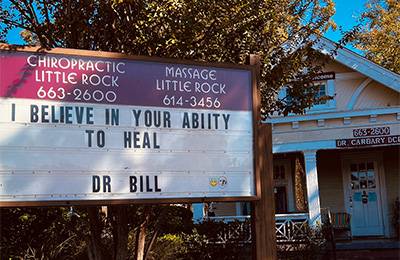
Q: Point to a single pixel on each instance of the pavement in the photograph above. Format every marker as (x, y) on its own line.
(372, 249)
(374, 254)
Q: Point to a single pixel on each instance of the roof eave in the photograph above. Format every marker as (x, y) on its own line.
(359, 63)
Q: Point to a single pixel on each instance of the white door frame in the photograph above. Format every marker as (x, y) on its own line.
(376, 156)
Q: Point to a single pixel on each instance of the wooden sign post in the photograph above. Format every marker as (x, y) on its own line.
(263, 213)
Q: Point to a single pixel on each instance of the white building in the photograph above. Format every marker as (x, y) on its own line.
(343, 154)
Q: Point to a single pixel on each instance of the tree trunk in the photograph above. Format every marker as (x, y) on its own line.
(141, 236)
(120, 227)
(153, 239)
(95, 226)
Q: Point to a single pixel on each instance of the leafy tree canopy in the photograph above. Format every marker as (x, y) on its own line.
(379, 33)
(207, 30)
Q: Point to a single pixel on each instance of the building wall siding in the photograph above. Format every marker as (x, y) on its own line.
(391, 161)
(376, 95)
(330, 181)
(344, 90)
(334, 131)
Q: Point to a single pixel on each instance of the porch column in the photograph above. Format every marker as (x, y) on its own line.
(314, 209)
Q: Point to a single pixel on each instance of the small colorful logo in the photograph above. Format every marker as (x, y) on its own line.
(219, 182)
(223, 181)
(213, 182)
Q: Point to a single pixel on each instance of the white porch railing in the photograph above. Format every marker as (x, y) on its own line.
(236, 229)
(289, 228)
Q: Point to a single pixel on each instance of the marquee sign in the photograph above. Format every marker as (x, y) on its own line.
(78, 125)
(368, 141)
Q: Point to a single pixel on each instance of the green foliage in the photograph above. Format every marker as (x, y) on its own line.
(168, 247)
(207, 30)
(34, 233)
(312, 244)
(379, 33)
(217, 240)
(59, 233)
(232, 240)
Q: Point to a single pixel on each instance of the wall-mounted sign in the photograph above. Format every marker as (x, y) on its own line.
(368, 141)
(79, 125)
(371, 131)
(325, 76)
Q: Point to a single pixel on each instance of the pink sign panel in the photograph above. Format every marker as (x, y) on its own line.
(70, 78)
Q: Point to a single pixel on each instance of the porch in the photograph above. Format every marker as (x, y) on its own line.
(289, 228)
(359, 183)
(293, 235)
(362, 183)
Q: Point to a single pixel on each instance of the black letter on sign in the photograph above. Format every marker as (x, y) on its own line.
(148, 189)
(101, 138)
(127, 139)
(156, 184)
(132, 182)
(89, 132)
(12, 112)
(141, 183)
(96, 183)
(106, 183)
(185, 123)
(34, 113)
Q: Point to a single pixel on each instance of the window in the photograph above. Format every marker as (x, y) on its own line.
(279, 172)
(326, 88)
(321, 93)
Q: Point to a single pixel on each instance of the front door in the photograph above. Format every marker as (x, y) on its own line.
(364, 197)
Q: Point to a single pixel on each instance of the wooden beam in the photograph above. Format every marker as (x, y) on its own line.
(263, 210)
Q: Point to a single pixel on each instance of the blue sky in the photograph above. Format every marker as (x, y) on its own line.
(347, 12)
